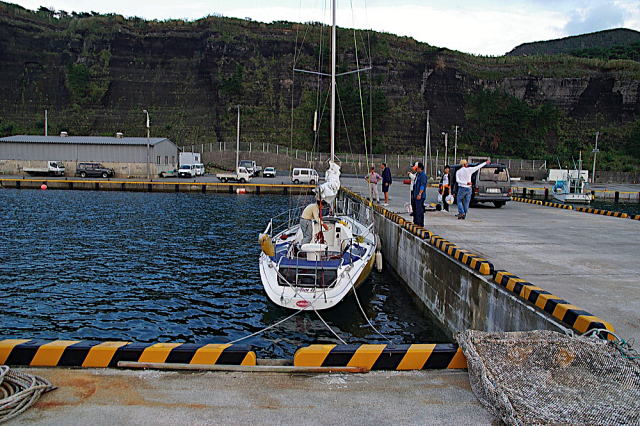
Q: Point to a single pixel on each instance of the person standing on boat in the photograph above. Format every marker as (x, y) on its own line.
(463, 179)
(386, 182)
(311, 215)
(444, 188)
(420, 193)
(373, 178)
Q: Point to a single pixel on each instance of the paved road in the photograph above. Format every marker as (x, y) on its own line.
(107, 397)
(589, 260)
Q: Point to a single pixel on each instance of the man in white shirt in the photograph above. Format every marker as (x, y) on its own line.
(463, 180)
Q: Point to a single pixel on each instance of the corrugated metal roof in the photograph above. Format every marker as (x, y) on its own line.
(89, 140)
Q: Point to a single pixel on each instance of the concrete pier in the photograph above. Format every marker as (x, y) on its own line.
(589, 260)
(107, 397)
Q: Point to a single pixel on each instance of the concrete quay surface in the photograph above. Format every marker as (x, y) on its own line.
(589, 260)
(145, 397)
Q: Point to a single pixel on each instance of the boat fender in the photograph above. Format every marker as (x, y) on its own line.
(267, 245)
(379, 261)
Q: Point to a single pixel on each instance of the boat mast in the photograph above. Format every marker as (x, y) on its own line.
(333, 81)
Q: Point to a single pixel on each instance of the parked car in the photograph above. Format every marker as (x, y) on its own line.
(269, 172)
(491, 184)
(302, 175)
(168, 173)
(94, 169)
(187, 171)
(200, 171)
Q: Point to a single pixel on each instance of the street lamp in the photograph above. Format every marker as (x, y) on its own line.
(446, 148)
(148, 135)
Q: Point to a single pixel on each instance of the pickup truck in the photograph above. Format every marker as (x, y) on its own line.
(241, 175)
(53, 168)
(251, 167)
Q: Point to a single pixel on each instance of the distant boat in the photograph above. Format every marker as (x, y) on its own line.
(570, 186)
(571, 189)
(319, 275)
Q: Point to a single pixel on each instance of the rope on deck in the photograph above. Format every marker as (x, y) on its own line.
(19, 391)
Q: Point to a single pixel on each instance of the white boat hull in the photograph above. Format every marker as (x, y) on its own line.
(348, 276)
(573, 198)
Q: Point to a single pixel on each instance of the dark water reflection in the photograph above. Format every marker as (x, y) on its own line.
(167, 267)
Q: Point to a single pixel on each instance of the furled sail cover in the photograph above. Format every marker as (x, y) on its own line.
(329, 189)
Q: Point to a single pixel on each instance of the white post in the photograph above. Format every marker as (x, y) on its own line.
(148, 136)
(46, 123)
(455, 148)
(426, 142)
(238, 140)
(595, 153)
(446, 148)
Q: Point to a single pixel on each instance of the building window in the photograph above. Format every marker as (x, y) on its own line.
(166, 160)
(173, 160)
(158, 160)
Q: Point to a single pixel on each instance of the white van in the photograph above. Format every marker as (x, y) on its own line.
(199, 169)
(187, 171)
(300, 175)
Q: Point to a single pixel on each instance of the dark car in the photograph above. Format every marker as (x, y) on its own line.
(491, 184)
(93, 169)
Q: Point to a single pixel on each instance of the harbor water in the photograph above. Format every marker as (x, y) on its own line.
(169, 267)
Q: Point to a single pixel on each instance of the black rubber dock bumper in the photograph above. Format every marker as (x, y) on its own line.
(77, 353)
(570, 315)
(382, 357)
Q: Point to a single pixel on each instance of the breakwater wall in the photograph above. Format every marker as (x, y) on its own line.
(153, 186)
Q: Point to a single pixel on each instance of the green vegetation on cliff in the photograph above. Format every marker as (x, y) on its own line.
(96, 73)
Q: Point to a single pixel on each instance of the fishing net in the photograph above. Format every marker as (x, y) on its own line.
(544, 377)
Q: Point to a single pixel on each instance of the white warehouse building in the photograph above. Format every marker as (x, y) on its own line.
(127, 156)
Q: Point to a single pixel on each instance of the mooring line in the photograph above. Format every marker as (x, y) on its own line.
(267, 328)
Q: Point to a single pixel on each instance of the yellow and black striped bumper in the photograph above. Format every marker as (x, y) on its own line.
(77, 353)
(382, 357)
(570, 315)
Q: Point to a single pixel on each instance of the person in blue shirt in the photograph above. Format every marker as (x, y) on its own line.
(419, 193)
(386, 182)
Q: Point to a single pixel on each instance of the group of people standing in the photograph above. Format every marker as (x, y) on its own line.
(373, 178)
(419, 182)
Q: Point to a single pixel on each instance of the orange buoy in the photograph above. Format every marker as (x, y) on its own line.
(43, 186)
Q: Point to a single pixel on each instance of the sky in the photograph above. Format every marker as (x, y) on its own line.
(483, 27)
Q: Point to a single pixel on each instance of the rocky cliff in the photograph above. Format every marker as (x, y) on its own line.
(95, 74)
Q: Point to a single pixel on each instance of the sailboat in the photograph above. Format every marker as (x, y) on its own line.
(320, 274)
(571, 187)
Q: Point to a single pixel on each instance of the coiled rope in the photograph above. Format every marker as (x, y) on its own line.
(19, 391)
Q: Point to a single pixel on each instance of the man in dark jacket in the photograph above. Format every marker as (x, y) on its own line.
(419, 194)
(386, 182)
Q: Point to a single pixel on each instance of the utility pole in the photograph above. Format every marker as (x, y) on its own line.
(595, 153)
(148, 136)
(238, 141)
(455, 148)
(46, 123)
(426, 141)
(446, 148)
